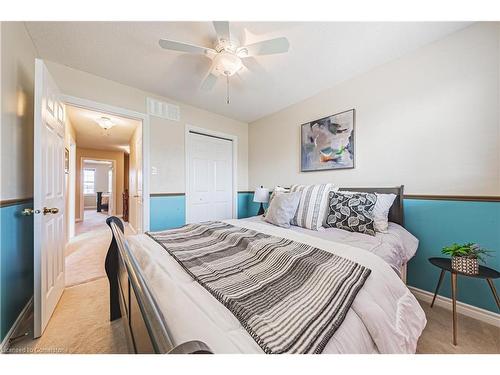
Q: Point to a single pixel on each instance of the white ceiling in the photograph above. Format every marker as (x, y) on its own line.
(90, 135)
(321, 54)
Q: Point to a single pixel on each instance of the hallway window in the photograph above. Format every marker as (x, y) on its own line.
(88, 181)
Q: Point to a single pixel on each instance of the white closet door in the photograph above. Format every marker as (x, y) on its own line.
(210, 181)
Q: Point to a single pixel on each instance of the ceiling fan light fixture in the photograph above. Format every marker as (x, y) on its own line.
(227, 63)
(242, 52)
(227, 53)
(105, 123)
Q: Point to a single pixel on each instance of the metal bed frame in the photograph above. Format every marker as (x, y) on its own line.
(131, 299)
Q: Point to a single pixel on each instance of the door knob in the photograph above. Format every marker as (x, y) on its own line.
(29, 212)
(53, 210)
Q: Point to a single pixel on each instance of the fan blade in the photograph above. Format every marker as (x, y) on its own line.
(222, 30)
(253, 65)
(184, 47)
(266, 47)
(209, 81)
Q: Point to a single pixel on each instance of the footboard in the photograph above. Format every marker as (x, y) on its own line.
(131, 299)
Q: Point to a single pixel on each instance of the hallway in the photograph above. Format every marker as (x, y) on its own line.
(86, 252)
(92, 220)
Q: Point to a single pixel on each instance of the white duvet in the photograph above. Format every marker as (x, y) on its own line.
(396, 246)
(384, 318)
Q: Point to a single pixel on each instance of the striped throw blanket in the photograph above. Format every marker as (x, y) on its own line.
(290, 297)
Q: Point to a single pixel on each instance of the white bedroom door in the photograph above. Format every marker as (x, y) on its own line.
(48, 199)
(210, 178)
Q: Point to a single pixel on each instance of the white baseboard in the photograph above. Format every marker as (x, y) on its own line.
(462, 308)
(4, 346)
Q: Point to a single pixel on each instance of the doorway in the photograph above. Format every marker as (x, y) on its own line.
(104, 141)
(98, 198)
(136, 159)
(58, 154)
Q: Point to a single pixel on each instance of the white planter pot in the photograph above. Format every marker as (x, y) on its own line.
(465, 265)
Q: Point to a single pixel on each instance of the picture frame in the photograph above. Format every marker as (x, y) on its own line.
(328, 143)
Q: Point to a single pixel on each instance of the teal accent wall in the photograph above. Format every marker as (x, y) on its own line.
(167, 212)
(437, 223)
(246, 206)
(170, 211)
(16, 264)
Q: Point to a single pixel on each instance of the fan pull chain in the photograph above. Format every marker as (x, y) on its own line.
(227, 92)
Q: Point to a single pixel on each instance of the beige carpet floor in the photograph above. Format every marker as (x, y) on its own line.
(85, 254)
(80, 324)
(91, 220)
(474, 336)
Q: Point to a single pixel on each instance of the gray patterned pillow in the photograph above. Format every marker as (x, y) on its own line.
(277, 189)
(352, 212)
(282, 209)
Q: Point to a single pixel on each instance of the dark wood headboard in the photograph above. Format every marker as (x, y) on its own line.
(396, 214)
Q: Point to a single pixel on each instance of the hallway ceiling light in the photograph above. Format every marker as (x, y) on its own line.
(105, 123)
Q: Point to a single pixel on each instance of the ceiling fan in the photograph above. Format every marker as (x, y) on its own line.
(227, 54)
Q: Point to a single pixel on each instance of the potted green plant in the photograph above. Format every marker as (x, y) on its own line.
(465, 258)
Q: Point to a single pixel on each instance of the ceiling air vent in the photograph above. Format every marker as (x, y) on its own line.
(163, 109)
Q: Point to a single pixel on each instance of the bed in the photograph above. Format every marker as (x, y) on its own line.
(166, 311)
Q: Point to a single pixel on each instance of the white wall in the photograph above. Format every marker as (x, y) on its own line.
(17, 71)
(429, 120)
(166, 137)
(17, 85)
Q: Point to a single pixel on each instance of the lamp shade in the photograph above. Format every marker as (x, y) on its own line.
(261, 195)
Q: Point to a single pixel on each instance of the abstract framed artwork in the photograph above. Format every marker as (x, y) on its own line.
(328, 143)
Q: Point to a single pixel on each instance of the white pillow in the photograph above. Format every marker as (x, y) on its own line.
(312, 206)
(381, 211)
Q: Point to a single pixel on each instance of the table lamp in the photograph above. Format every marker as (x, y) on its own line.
(261, 195)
